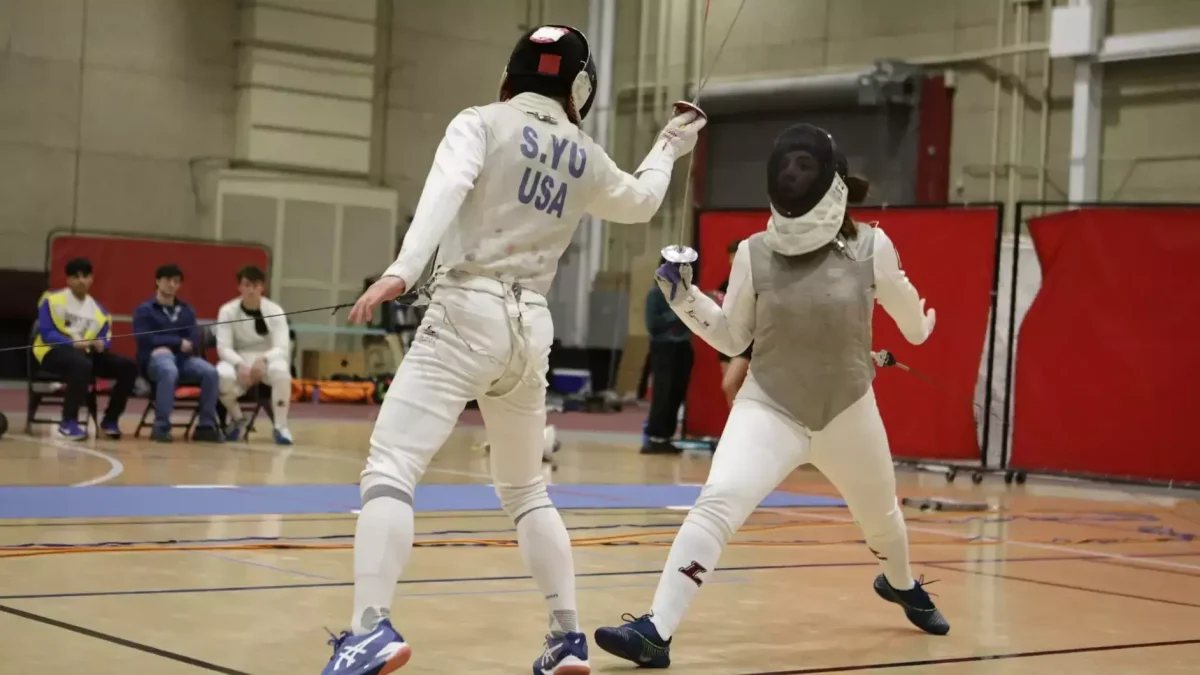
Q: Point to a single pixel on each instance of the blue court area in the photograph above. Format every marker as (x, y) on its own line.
(155, 501)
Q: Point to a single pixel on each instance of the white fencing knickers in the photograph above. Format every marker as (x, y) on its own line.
(759, 448)
(472, 344)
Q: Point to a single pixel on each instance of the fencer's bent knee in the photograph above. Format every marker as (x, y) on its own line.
(879, 522)
(721, 510)
(519, 501)
(384, 490)
(278, 370)
(227, 375)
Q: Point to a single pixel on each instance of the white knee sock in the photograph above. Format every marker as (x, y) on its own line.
(546, 548)
(888, 540)
(281, 398)
(383, 541)
(691, 562)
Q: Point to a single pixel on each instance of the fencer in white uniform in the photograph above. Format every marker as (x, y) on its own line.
(508, 187)
(253, 347)
(804, 291)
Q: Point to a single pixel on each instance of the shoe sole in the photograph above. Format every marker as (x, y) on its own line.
(397, 662)
(577, 669)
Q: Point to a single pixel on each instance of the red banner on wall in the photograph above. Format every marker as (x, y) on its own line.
(949, 255)
(124, 269)
(1105, 380)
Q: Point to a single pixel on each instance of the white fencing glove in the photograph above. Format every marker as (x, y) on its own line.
(676, 140)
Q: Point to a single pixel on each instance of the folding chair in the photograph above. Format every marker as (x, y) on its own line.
(46, 388)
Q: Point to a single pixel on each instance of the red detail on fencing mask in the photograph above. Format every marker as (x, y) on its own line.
(549, 64)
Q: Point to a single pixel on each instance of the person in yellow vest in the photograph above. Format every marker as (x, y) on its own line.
(73, 339)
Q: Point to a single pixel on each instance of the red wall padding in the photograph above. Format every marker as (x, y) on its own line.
(124, 272)
(1106, 377)
(949, 255)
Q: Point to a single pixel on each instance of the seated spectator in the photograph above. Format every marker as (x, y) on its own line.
(170, 352)
(73, 337)
(253, 345)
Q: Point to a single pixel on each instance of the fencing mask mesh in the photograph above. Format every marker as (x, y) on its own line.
(808, 197)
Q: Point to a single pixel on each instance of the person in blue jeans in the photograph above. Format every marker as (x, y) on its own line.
(168, 347)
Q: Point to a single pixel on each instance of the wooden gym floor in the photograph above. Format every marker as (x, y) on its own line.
(1061, 578)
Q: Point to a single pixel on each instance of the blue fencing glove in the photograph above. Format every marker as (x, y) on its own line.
(673, 275)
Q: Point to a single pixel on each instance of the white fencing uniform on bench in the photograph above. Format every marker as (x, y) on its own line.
(240, 343)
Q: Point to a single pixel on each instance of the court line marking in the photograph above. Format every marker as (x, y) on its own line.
(303, 518)
(325, 452)
(1055, 584)
(1026, 544)
(115, 467)
(147, 649)
(582, 575)
(981, 657)
(511, 591)
(284, 570)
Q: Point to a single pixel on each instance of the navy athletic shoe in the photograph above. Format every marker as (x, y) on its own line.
(379, 652)
(637, 641)
(916, 603)
(566, 654)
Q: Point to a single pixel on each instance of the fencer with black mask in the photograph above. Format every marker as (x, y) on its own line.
(509, 184)
(803, 291)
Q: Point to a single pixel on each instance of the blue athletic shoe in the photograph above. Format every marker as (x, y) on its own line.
(111, 429)
(235, 430)
(379, 652)
(918, 607)
(566, 654)
(70, 430)
(637, 641)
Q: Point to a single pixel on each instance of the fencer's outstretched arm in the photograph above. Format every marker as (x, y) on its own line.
(456, 165)
(728, 327)
(635, 198)
(629, 198)
(896, 294)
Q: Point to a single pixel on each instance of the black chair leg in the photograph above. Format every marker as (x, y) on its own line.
(142, 423)
(189, 431)
(93, 409)
(35, 399)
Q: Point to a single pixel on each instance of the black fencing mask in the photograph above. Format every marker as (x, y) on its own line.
(808, 197)
(800, 170)
(553, 61)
